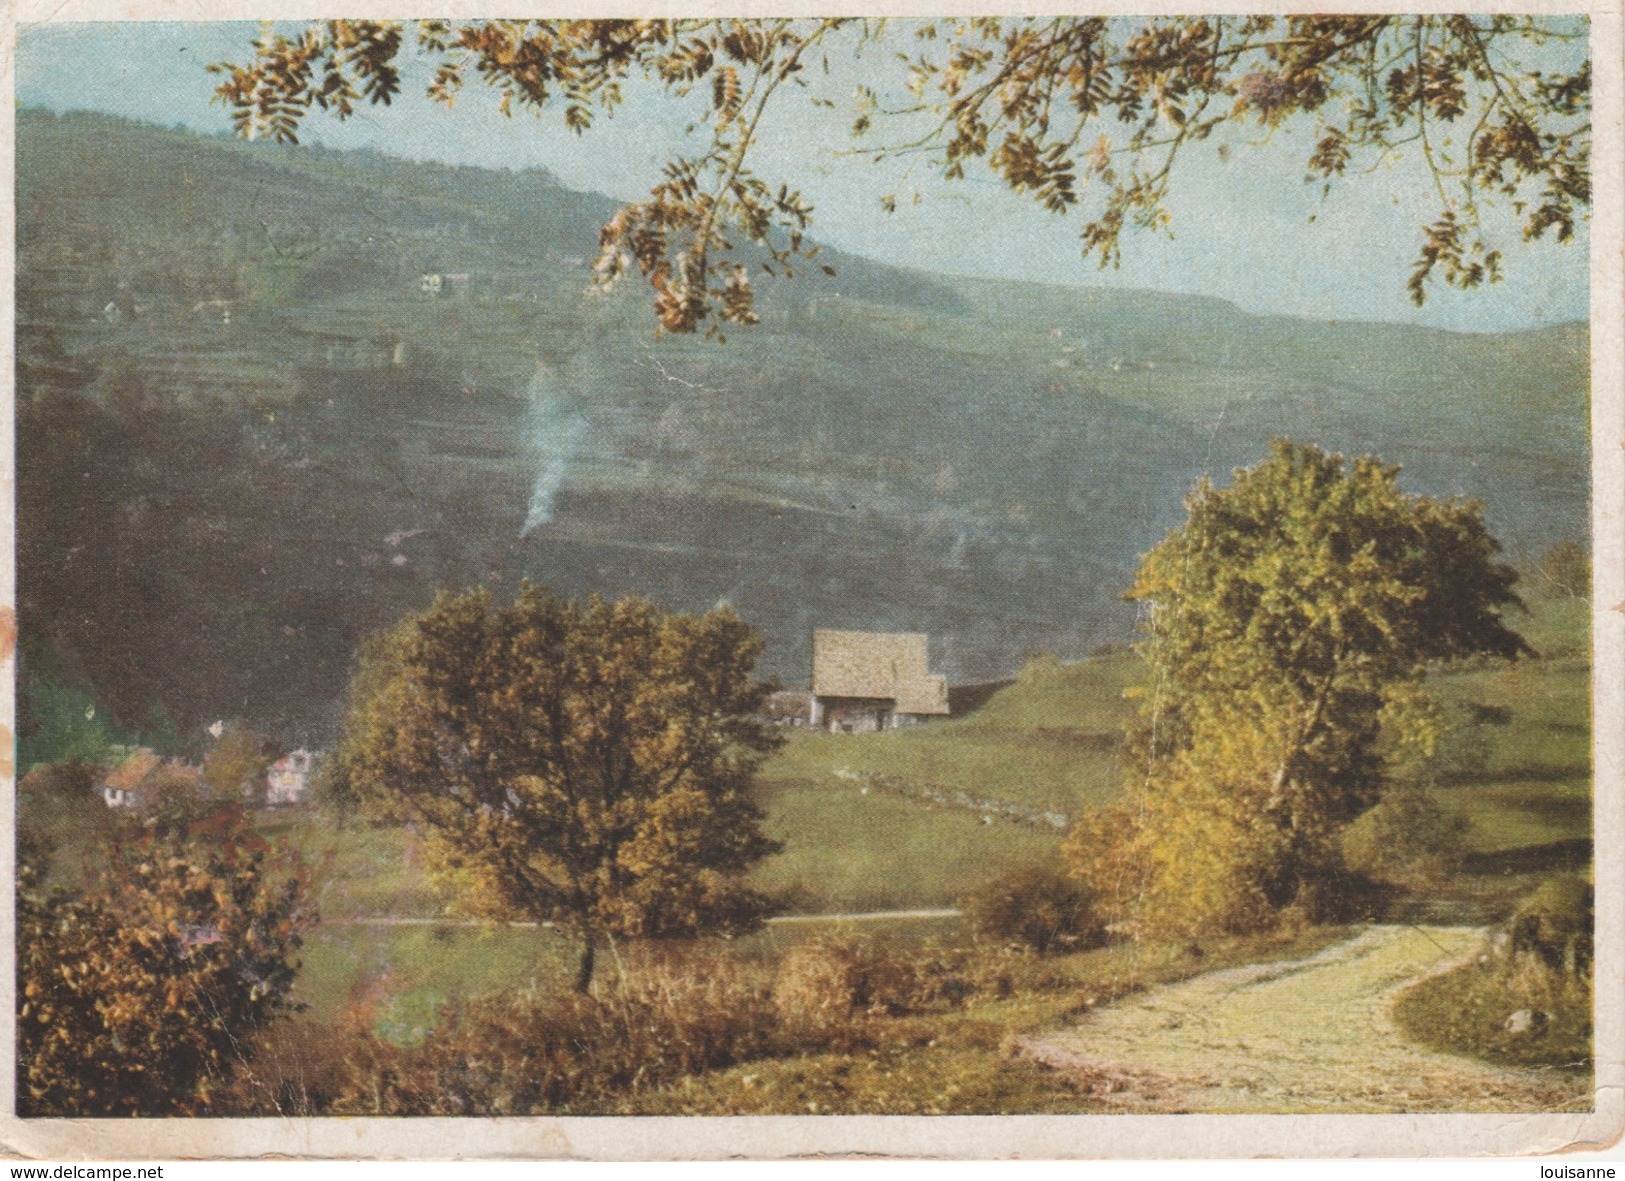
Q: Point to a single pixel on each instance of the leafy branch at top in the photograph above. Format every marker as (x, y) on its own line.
(1088, 114)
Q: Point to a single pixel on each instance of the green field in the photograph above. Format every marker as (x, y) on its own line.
(1050, 740)
(845, 851)
(857, 837)
(1518, 764)
(402, 972)
(361, 871)
(1515, 760)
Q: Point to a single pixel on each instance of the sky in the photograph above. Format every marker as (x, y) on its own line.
(1246, 229)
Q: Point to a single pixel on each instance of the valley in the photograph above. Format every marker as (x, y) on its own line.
(248, 437)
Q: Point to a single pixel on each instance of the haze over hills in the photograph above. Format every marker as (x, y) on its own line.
(247, 436)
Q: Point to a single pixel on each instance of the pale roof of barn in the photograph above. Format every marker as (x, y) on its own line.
(879, 666)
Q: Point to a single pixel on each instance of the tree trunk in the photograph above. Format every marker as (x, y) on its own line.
(589, 953)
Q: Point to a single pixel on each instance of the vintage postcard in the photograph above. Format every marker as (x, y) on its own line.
(957, 585)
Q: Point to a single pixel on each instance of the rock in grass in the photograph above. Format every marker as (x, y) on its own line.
(1528, 1021)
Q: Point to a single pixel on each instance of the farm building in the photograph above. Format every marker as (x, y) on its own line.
(121, 787)
(866, 681)
(440, 283)
(145, 779)
(288, 780)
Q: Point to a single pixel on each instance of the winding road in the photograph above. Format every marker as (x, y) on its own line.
(1310, 1035)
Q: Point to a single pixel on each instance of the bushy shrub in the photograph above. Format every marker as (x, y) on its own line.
(1338, 894)
(67, 785)
(1185, 861)
(1041, 907)
(818, 985)
(538, 1052)
(1189, 865)
(821, 988)
(144, 997)
(235, 764)
(1407, 835)
(923, 980)
(1554, 925)
(59, 809)
(297, 1070)
(1106, 852)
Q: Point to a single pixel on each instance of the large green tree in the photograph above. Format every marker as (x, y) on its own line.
(583, 763)
(1078, 112)
(1290, 622)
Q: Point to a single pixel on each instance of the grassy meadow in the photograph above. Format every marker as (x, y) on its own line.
(858, 836)
(1514, 761)
(1517, 764)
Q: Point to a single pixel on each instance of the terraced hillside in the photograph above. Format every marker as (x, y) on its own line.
(247, 436)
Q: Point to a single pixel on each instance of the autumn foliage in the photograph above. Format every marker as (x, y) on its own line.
(1079, 113)
(143, 996)
(1039, 907)
(542, 1051)
(1289, 623)
(583, 763)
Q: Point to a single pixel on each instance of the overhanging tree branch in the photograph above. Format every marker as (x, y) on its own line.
(993, 89)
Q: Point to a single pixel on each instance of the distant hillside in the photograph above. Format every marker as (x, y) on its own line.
(247, 435)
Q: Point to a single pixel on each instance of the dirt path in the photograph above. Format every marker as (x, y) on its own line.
(1312, 1035)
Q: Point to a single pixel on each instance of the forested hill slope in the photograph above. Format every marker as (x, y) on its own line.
(247, 435)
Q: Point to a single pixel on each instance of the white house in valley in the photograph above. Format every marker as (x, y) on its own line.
(288, 780)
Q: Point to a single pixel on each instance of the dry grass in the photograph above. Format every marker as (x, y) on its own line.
(545, 1051)
(1467, 1011)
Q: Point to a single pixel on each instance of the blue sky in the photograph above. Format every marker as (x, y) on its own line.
(1247, 230)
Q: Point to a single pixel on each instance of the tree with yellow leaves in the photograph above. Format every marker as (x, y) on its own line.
(1289, 624)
